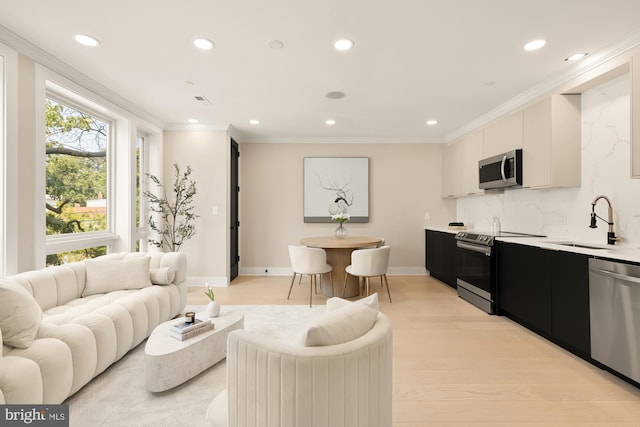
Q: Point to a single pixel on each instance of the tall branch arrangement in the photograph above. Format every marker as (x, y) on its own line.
(176, 215)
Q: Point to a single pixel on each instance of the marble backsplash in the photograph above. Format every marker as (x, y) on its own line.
(565, 213)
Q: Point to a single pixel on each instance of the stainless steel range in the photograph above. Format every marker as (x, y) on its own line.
(476, 267)
(476, 270)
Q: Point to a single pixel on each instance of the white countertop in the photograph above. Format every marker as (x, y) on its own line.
(444, 229)
(619, 252)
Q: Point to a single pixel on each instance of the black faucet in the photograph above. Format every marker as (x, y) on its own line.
(611, 234)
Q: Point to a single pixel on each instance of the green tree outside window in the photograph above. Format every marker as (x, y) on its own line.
(76, 176)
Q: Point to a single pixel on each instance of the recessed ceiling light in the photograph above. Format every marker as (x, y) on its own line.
(343, 44)
(534, 45)
(330, 122)
(576, 56)
(335, 95)
(193, 121)
(204, 44)
(254, 122)
(86, 40)
(432, 122)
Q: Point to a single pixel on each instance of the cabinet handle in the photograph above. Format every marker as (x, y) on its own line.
(631, 279)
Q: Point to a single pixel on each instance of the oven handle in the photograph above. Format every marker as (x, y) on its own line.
(475, 248)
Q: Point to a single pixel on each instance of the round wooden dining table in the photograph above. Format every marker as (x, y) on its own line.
(339, 257)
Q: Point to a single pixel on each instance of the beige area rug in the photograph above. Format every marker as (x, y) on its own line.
(118, 397)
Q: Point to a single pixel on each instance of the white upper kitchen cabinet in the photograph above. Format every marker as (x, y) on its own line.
(551, 147)
(471, 154)
(460, 165)
(503, 134)
(451, 170)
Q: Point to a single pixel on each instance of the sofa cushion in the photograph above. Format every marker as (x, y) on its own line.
(107, 275)
(162, 275)
(371, 301)
(82, 346)
(20, 315)
(341, 325)
(55, 360)
(20, 381)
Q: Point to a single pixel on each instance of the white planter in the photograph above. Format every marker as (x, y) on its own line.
(213, 309)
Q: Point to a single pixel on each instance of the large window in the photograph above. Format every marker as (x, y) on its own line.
(77, 143)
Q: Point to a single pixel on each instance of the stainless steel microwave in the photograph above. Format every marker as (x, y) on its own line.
(501, 171)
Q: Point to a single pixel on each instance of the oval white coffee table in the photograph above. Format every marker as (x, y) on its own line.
(169, 362)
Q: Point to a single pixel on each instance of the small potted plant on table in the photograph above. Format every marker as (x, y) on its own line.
(213, 308)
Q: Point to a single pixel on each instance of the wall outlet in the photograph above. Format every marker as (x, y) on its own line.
(214, 210)
(427, 216)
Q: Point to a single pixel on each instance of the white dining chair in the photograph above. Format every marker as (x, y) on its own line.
(309, 261)
(367, 263)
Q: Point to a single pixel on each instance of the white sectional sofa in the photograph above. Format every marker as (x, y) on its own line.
(61, 326)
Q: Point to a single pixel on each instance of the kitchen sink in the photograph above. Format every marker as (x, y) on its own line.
(581, 245)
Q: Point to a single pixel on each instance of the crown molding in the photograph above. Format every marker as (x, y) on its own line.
(47, 60)
(591, 63)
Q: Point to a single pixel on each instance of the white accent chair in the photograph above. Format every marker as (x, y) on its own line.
(369, 263)
(273, 384)
(310, 261)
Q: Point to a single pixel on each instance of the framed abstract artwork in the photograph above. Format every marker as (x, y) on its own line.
(336, 185)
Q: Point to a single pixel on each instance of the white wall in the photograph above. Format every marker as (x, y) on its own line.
(404, 183)
(565, 213)
(207, 152)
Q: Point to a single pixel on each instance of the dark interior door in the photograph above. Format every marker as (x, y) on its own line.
(234, 221)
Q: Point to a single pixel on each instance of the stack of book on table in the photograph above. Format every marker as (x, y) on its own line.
(185, 330)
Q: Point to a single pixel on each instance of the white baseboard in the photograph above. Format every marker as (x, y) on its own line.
(286, 271)
(205, 280)
(265, 271)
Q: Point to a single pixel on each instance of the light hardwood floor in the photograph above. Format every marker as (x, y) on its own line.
(454, 365)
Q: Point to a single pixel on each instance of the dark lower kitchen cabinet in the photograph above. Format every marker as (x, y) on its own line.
(570, 324)
(548, 292)
(524, 286)
(440, 256)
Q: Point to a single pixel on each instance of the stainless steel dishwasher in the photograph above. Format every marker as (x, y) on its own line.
(614, 300)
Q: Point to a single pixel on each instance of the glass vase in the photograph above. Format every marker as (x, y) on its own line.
(341, 231)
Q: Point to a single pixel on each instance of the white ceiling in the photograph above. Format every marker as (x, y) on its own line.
(413, 60)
